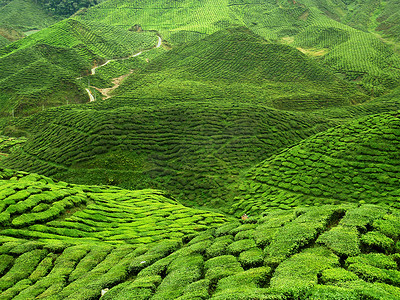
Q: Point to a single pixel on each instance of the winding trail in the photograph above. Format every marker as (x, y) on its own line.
(118, 80)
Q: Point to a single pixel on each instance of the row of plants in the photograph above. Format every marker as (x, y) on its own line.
(326, 252)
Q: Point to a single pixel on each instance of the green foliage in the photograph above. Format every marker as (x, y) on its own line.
(36, 207)
(300, 271)
(342, 240)
(111, 146)
(25, 16)
(354, 162)
(377, 240)
(200, 268)
(220, 267)
(337, 275)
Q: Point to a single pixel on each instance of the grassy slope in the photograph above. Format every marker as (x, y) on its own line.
(357, 161)
(193, 150)
(235, 65)
(359, 56)
(36, 207)
(386, 103)
(3, 42)
(41, 70)
(24, 15)
(331, 252)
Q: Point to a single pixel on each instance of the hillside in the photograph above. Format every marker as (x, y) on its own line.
(356, 161)
(318, 29)
(331, 252)
(42, 70)
(193, 150)
(235, 65)
(340, 56)
(24, 16)
(3, 42)
(36, 207)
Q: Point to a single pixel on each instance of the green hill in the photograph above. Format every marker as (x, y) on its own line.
(101, 32)
(236, 65)
(24, 15)
(318, 29)
(193, 150)
(41, 70)
(330, 252)
(357, 161)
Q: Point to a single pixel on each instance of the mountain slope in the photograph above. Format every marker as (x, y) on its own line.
(236, 65)
(25, 15)
(41, 70)
(357, 161)
(193, 150)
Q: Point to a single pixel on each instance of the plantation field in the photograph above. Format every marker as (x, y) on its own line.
(328, 252)
(41, 70)
(25, 15)
(362, 58)
(345, 63)
(192, 150)
(355, 162)
(36, 207)
(236, 65)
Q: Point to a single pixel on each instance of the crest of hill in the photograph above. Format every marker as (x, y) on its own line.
(37, 208)
(317, 28)
(42, 70)
(193, 150)
(327, 252)
(357, 161)
(239, 66)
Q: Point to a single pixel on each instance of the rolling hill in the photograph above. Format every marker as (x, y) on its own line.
(194, 150)
(235, 65)
(42, 70)
(357, 161)
(36, 207)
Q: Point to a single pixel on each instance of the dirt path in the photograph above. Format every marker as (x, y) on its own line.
(116, 83)
(118, 80)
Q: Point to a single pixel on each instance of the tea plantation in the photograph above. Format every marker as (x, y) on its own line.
(357, 161)
(328, 252)
(24, 15)
(193, 150)
(41, 70)
(236, 65)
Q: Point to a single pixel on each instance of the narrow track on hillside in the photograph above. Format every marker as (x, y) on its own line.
(118, 80)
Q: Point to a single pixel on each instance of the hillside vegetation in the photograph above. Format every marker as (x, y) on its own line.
(194, 150)
(320, 31)
(41, 70)
(36, 207)
(357, 161)
(330, 252)
(235, 65)
(24, 15)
